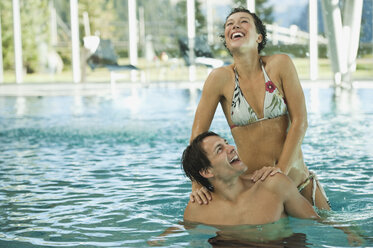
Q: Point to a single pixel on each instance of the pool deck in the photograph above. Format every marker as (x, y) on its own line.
(92, 89)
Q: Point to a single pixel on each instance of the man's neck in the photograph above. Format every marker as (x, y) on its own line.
(231, 190)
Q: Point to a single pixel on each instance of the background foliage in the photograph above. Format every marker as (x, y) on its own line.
(165, 21)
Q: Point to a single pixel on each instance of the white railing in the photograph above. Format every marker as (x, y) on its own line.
(291, 35)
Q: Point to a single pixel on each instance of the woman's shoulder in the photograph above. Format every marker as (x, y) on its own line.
(224, 71)
(276, 65)
(277, 59)
(220, 76)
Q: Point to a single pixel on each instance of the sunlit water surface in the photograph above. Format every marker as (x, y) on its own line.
(104, 171)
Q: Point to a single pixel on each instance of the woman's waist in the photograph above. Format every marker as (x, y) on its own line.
(257, 159)
(261, 131)
(267, 146)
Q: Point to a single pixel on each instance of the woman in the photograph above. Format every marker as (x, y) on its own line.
(264, 105)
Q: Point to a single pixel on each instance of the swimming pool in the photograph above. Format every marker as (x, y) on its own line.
(104, 171)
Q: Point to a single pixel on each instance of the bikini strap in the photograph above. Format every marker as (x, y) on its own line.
(264, 71)
(236, 77)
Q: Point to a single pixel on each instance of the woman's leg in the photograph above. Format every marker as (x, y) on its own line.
(316, 196)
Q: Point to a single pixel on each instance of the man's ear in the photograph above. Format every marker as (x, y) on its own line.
(206, 173)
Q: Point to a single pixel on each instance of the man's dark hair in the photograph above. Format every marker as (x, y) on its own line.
(195, 159)
(259, 26)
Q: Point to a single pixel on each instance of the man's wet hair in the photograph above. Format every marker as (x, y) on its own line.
(194, 160)
(259, 26)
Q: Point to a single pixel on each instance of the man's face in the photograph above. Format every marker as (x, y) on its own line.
(224, 159)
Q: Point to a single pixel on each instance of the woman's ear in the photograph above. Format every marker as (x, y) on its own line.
(259, 39)
(207, 173)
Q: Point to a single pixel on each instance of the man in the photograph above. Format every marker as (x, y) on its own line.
(213, 163)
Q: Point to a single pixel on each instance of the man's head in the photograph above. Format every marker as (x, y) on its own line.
(259, 26)
(210, 157)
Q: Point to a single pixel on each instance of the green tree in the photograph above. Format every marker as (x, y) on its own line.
(181, 20)
(34, 28)
(102, 16)
(7, 34)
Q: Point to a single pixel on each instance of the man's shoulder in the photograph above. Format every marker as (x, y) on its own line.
(278, 183)
(195, 212)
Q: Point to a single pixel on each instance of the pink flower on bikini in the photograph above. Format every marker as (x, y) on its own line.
(270, 87)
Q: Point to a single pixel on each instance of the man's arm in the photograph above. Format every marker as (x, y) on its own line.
(294, 203)
(181, 227)
(297, 206)
(193, 213)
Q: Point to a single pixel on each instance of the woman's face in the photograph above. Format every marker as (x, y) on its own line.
(240, 32)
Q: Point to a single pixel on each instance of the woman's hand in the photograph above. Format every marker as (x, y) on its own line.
(263, 173)
(201, 195)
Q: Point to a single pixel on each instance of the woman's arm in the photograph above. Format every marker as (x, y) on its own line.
(211, 94)
(294, 96)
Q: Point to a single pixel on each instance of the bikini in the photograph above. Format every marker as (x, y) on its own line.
(315, 183)
(243, 114)
(274, 106)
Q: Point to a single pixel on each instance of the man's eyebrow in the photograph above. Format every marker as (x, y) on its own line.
(217, 147)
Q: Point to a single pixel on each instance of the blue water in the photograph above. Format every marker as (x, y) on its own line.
(104, 171)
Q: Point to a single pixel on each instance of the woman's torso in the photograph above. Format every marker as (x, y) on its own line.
(260, 143)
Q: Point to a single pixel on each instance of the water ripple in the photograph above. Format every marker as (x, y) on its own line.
(110, 177)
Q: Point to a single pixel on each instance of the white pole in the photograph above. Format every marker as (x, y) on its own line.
(75, 40)
(1, 56)
(210, 22)
(333, 27)
(142, 29)
(53, 24)
(352, 23)
(251, 5)
(314, 71)
(132, 22)
(17, 42)
(87, 28)
(191, 38)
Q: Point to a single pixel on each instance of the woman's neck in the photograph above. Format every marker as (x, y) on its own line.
(247, 64)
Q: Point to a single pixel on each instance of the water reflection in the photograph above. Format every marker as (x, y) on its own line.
(193, 99)
(132, 102)
(314, 100)
(113, 172)
(20, 106)
(296, 240)
(78, 108)
(346, 102)
(320, 101)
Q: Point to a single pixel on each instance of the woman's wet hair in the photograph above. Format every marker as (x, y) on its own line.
(259, 26)
(194, 160)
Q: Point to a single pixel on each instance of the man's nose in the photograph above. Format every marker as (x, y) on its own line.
(231, 148)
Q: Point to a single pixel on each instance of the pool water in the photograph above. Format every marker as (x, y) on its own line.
(104, 171)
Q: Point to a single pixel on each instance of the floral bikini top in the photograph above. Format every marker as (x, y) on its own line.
(243, 114)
